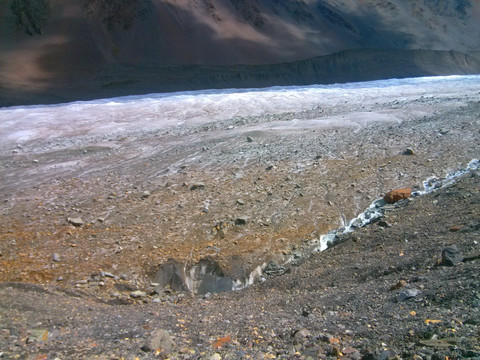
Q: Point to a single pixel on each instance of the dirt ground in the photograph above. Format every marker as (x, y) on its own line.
(244, 191)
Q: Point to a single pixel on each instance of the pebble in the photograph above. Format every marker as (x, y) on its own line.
(409, 151)
(451, 256)
(249, 139)
(386, 355)
(138, 294)
(75, 221)
(56, 257)
(407, 294)
(197, 186)
(160, 339)
(399, 285)
(240, 221)
(301, 335)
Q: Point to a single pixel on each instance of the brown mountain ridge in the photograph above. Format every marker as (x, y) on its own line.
(46, 44)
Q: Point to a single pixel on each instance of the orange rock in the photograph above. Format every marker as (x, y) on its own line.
(333, 340)
(397, 195)
(221, 342)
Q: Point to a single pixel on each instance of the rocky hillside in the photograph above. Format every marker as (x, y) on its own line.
(47, 41)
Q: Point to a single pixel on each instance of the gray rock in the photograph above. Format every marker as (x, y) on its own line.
(240, 221)
(240, 202)
(407, 294)
(409, 151)
(451, 256)
(75, 221)
(386, 355)
(301, 335)
(249, 139)
(197, 186)
(145, 195)
(56, 257)
(138, 294)
(38, 335)
(160, 339)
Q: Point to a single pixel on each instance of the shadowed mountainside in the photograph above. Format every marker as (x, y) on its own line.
(46, 44)
(347, 66)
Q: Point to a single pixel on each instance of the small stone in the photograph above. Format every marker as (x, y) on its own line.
(56, 257)
(407, 294)
(455, 228)
(197, 186)
(38, 335)
(35, 161)
(240, 221)
(386, 355)
(107, 274)
(409, 151)
(138, 294)
(349, 350)
(451, 256)
(336, 352)
(75, 221)
(330, 339)
(399, 285)
(215, 356)
(159, 340)
(301, 335)
(396, 195)
(240, 202)
(101, 283)
(219, 343)
(60, 278)
(145, 195)
(384, 224)
(249, 139)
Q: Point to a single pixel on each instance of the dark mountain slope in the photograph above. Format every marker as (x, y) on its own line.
(46, 42)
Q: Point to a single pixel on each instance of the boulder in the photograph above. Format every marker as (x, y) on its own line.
(396, 195)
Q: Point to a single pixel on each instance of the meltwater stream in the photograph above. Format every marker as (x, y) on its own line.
(208, 277)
